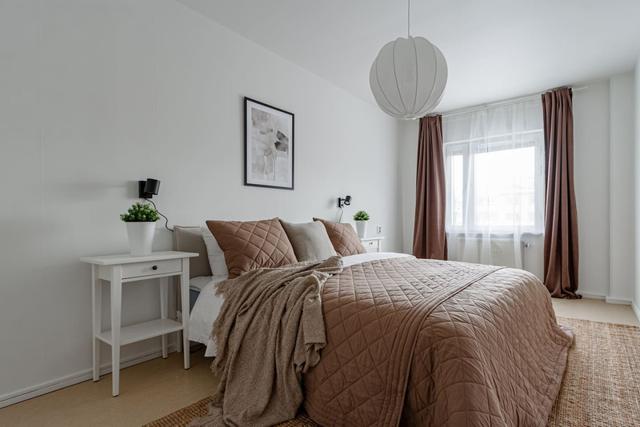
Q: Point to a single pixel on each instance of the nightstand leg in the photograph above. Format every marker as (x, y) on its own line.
(184, 296)
(116, 310)
(96, 302)
(164, 302)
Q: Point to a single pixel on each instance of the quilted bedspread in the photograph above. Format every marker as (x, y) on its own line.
(435, 343)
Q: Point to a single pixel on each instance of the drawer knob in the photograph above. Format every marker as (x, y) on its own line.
(155, 267)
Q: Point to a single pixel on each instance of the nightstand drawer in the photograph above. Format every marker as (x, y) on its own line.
(370, 245)
(151, 268)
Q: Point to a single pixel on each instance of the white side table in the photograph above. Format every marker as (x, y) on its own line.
(372, 244)
(122, 269)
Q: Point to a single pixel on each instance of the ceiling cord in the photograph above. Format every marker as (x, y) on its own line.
(408, 18)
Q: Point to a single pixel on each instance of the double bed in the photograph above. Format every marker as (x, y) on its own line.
(422, 342)
(205, 304)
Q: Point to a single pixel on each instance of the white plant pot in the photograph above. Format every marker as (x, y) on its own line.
(140, 236)
(361, 228)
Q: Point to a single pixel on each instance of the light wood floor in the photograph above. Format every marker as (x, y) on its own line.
(158, 387)
(148, 391)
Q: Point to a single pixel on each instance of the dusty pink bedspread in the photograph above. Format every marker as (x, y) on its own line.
(432, 343)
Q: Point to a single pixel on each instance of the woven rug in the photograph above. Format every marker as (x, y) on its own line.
(601, 386)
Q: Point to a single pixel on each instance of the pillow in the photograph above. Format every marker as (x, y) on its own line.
(216, 256)
(189, 239)
(248, 245)
(310, 241)
(343, 237)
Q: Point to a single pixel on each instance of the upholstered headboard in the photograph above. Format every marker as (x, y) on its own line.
(189, 239)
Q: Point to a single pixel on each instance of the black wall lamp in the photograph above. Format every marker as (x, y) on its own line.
(149, 188)
(344, 202)
(146, 190)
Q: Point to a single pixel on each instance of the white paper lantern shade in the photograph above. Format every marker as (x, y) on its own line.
(408, 77)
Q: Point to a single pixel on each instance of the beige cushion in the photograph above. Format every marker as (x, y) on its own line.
(248, 245)
(310, 240)
(343, 237)
(189, 239)
(216, 255)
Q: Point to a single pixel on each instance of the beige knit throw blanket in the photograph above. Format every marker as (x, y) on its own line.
(269, 332)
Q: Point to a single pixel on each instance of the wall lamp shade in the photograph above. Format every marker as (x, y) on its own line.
(149, 188)
(408, 77)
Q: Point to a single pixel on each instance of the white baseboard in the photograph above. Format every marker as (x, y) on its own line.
(75, 378)
(605, 298)
(621, 301)
(590, 295)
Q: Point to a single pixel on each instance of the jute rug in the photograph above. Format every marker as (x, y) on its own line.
(601, 386)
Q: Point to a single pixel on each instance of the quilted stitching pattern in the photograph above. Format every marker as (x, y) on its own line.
(343, 237)
(491, 354)
(248, 245)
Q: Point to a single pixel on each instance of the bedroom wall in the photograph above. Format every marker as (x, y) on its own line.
(621, 185)
(97, 94)
(603, 126)
(591, 174)
(636, 301)
(407, 166)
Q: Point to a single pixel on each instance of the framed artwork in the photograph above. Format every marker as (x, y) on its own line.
(268, 146)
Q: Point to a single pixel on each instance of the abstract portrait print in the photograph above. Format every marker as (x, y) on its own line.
(269, 134)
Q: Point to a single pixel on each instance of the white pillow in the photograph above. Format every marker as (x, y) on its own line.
(216, 256)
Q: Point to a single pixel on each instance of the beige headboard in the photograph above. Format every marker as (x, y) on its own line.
(189, 239)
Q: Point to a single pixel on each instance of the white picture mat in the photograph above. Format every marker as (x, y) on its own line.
(265, 165)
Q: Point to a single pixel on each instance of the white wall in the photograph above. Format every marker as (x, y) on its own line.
(591, 173)
(407, 159)
(603, 124)
(636, 296)
(621, 188)
(97, 94)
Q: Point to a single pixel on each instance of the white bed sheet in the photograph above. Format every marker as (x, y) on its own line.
(206, 308)
(208, 304)
(199, 283)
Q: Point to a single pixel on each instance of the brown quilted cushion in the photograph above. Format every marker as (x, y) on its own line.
(248, 245)
(343, 237)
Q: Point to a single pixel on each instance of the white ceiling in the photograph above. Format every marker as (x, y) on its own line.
(495, 49)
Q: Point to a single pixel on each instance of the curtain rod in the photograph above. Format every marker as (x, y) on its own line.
(504, 101)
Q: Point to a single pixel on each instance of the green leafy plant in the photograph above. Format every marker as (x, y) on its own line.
(361, 216)
(140, 212)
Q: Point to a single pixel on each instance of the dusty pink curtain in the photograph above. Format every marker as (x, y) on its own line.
(561, 219)
(429, 237)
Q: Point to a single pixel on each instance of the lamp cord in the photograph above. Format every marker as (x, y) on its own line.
(166, 220)
(408, 18)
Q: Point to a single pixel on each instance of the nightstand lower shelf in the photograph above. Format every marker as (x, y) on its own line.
(142, 331)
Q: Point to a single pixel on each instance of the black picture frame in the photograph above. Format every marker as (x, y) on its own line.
(250, 180)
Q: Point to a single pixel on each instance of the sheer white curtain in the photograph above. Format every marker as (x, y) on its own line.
(494, 168)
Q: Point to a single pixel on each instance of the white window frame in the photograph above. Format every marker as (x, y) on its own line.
(463, 147)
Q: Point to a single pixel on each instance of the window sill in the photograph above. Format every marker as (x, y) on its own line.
(493, 235)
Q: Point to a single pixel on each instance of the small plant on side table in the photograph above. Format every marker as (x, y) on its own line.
(361, 218)
(141, 226)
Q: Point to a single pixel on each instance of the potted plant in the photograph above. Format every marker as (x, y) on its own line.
(361, 218)
(141, 226)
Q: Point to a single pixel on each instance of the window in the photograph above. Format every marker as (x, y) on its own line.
(494, 167)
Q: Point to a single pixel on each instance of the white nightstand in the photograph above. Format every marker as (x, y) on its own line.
(372, 244)
(122, 269)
